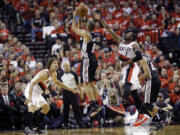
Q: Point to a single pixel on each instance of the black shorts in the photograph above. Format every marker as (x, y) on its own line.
(151, 91)
(88, 69)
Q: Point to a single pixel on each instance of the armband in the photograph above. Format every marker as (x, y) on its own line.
(138, 56)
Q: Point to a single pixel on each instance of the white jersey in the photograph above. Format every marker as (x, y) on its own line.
(130, 72)
(126, 51)
(37, 99)
(44, 84)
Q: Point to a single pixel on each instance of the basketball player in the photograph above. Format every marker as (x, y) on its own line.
(129, 54)
(34, 90)
(152, 86)
(89, 62)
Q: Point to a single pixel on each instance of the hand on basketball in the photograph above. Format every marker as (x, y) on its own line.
(28, 100)
(96, 15)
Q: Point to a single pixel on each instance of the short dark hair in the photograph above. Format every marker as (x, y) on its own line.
(50, 61)
(90, 24)
(134, 35)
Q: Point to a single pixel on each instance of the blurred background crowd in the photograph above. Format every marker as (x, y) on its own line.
(149, 19)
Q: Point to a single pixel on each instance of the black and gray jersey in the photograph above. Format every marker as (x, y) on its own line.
(87, 49)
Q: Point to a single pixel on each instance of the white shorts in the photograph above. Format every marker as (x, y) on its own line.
(37, 99)
(130, 74)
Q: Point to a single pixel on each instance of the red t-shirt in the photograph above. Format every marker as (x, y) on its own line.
(4, 34)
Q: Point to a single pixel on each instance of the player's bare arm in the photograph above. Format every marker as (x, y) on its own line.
(81, 32)
(146, 74)
(79, 23)
(168, 107)
(113, 34)
(41, 76)
(61, 85)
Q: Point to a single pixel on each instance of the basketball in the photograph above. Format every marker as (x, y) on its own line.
(82, 10)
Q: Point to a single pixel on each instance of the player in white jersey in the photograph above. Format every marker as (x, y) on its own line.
(34, 90)
(129, 54)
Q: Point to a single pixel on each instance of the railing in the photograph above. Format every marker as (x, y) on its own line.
(155, 34)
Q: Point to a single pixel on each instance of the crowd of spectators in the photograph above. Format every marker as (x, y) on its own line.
(18, 66)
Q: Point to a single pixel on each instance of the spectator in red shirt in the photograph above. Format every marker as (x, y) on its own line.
(4, 33)
(37, 23)
(175, 96)
(164, 79)
(168, 67)
(27, 16)
(155, 23)
(173, 82)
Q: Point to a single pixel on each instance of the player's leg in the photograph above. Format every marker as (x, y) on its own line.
(44, 106)
(29, 122)
(154, 89)
(126, 94)
(29, 116)
(133, 85)
(97, 107)
(128, 77)
(142, 117)
(89, 91)
(93, 64)
(85, 79)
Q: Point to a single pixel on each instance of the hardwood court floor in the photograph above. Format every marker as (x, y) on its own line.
(170, 130)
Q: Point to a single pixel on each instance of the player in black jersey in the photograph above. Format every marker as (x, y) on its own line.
(153, 83)
(89, 62)
(152, 87)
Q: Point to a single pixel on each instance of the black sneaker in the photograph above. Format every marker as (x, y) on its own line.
(158, 126)
(66, 126)
(81, 125)
(27, 130)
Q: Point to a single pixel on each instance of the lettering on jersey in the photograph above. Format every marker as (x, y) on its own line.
(127, 49)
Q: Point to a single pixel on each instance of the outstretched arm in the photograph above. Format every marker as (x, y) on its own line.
(80, 32)
(61, 85)
(113, 34)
